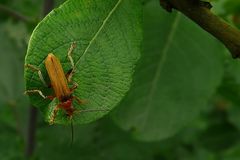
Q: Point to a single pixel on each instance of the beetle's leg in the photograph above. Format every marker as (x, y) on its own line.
(50, 97)
(34, 68)
(40, 93)
(69, 75)
(80, 101)
(70, 51)
(35, 91)
(75, 85)
(53, 116)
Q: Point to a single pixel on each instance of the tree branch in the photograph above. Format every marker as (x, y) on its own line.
(31, 131)
(200, 13)
(15, 14)
(47, 6)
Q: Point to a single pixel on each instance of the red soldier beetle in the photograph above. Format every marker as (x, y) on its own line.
(59, 84)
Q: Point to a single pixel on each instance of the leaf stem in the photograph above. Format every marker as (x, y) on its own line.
(201, 14)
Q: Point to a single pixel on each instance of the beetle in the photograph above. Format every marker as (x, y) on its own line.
(59, 83)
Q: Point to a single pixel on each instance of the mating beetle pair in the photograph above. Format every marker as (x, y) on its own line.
(59, 83)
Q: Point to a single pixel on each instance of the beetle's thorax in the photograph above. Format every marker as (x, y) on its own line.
(66, 104)
(68, 107)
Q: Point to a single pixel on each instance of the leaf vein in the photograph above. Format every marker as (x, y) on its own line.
(98, 31)
(160, 67)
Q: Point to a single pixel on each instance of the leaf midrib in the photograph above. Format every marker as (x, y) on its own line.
(160, 67)
(95, 35)
(98, 31)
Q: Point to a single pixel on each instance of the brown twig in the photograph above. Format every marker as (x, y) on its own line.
(201, 14)
(14, 14)
(31, 131)
(48, 6)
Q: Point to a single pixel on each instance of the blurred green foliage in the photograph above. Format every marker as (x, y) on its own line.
(213, 135)
(165, 94)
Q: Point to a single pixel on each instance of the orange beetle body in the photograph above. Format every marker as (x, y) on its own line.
(59, 83)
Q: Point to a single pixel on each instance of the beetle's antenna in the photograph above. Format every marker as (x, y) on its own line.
(94, 110)
(72, 133)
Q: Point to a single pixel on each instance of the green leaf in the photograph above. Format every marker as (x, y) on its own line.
(232, 154)
(229, 89)
(108, 36)
(232, 6)
(180, 69)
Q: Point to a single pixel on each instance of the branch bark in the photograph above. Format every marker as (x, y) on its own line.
(201, 14)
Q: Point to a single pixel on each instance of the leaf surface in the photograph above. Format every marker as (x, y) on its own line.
(108, 36)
